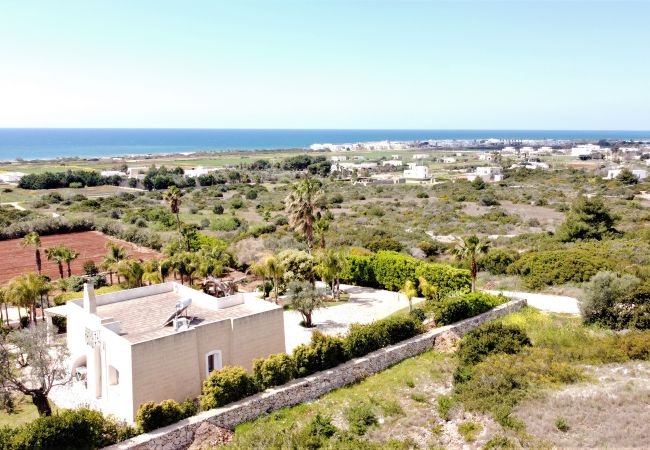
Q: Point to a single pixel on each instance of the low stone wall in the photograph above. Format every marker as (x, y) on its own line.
(181, 434)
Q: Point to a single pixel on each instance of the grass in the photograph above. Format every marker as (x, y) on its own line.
(469, 430)
(383, 396)
(25, 412)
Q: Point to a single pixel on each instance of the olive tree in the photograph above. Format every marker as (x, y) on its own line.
(32, 362)
(305, 298)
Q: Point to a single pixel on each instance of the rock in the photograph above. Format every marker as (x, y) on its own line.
(446, 342)
(208, 436)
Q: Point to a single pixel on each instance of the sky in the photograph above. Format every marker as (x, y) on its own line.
(325, 64)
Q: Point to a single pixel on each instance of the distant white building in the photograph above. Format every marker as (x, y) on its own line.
(11, 177)
(392, 162)
(526, 150)
(584, 150)
(420, 156)
(339, 158)
(448, 160)
(136, 172)
(615, 172)
(416, 172)
(487, 173)
(544, 150)
(508, 150)
(197, 171)
(358, 158)
(394, 157)
(341, 166)
(112, 173)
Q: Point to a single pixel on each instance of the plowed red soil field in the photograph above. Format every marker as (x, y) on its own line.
(91, 245)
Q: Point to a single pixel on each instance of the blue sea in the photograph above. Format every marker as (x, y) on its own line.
(51, 143)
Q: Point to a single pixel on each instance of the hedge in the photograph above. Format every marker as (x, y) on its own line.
(45, 227)
(225, 386)
(322, 353)
(273, 371)
(78, 429)
(551, 267)
(453, 309)
(151, 416)
(390, 270)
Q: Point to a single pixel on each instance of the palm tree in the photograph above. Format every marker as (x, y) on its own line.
(25, 290)
(132, 271)
(409, 292)
(34, 240)
(468, 249)
(57, 254)
(69, 255)
(304, 204)
(152, 274)
(173, 197)
(330, 266)
(114, 254)
(271, 268)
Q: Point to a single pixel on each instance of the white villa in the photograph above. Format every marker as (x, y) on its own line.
(392, 162)
(486, 173)
(584, 150)
(639, 173)
(415, 172)
(11, 177)
(198, 171)
(160, 342)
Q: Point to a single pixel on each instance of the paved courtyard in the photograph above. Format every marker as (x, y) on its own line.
(365, 305)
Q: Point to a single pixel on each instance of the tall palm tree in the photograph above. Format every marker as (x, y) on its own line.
(173, 197)
(468, 249)
(151, 272)
(26, 290)
(114, 254)
(69, 255)
(331, 264)
(57, 254)
(272, 269)
(132, 272)
(34, 240)
(304, 205)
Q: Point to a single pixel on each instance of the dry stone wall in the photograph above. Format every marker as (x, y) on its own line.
(181, 434)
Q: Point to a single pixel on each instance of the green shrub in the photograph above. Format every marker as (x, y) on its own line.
(225, 386)
(77, 429)
(491, 338)
(392, 269)
(443, 279)
(275, 370)
(61, 324)
(364, 339)
(399, 328)
(545, 268)
(217, 209)
(603, 296)
(445, 404)
(316, 433)
(323, 352)
(360, 417)
(419, 314)
(225, 223)
(151, 416)
(469, 430)
(359, 271)
(561, 424)
(453, 309)
(497, 261)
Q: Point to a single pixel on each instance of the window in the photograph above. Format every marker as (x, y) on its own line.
(212, 362)
(113, 376)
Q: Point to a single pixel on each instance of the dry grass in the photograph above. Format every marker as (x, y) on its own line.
(613, 411)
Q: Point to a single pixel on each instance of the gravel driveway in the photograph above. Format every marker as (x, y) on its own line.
(545, 302)
(365, 305)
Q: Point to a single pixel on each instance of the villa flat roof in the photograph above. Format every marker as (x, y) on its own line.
(142, 318)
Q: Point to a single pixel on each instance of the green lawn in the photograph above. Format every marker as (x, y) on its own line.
(25, 412)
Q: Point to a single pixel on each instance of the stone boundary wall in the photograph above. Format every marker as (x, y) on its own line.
(181, 434)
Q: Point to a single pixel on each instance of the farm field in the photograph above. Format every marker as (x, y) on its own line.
(91, 246)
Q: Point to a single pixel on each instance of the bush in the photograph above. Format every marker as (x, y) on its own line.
(298, 265)
(359, 271)
(225, 386)
(275, 370)
(497, 261)
(217, 209)
(360, 417)
(491, 338)
(392, 269)
(443, 280)
(316, 433)
(323, 352)
(453, 309)
(61, 324)
(225, 223)
(545, 268)
(151, 416)
(364, 339)
(78, 429)
(418, 314)
(601, 303)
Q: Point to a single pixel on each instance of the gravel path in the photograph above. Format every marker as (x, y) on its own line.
(545, 302)
(365, 305)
